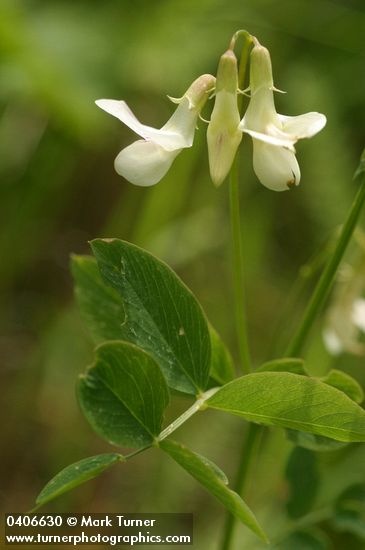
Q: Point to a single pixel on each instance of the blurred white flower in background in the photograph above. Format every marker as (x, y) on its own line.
(344, 329)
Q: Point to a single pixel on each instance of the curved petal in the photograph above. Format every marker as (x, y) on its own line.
(261, 113)
(183, 122)
(168, 139)
(303, 126)
(277, 168)
(288, 143)
(144, 162)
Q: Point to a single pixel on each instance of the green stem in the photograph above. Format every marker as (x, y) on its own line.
(242, 69)
(197, 406)
(326, 280)
(238, 271)
(236, 232)
(251, 441)
(135, 453)
(248, 453)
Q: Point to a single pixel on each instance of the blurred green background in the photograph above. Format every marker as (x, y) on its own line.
(58, 189)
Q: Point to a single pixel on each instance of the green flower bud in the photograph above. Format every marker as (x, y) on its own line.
(223, 133)
(261, 69)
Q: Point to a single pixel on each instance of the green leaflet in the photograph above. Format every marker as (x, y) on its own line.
(101, 306)
(352, 389)
(344, 382)
(292, 401)
(76, 474)
(123, 395)
(161, 314)
(103, 312)
(221, 368)
(336, 378)
(287, 364)
(211, 477)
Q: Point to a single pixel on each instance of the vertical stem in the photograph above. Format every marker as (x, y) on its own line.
(238, 270)
(236, 231)
(242, 69)
(249, 451)
(326, 280)
(252, 439)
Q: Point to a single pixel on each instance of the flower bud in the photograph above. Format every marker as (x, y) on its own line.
(223, 133)
(260, 69)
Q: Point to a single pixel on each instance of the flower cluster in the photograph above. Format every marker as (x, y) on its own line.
(146, 161)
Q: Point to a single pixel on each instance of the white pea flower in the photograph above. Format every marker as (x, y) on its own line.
(223, 134)
(146, 161)
(345, 323)
(274, 135)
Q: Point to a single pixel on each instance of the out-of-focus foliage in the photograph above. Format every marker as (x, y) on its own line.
(58, 189)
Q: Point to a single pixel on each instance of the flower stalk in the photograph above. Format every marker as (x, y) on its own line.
(252, 439)
(238, 271)
(236, 230)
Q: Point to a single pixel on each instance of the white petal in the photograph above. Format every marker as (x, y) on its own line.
(144, 162)
(277, 168)
(303, 126)
(262, 122)
(284, 141)
(168, 139)
(183, 122)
